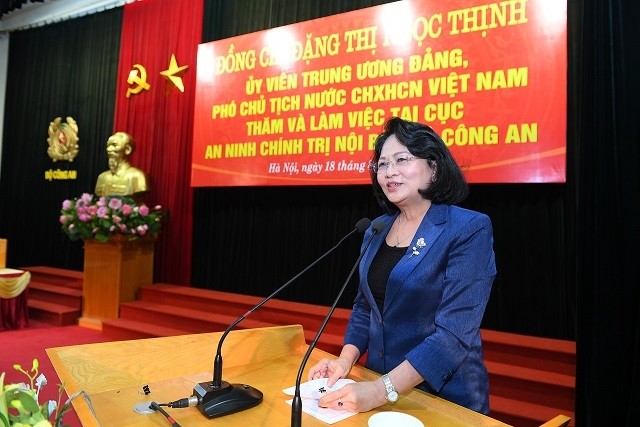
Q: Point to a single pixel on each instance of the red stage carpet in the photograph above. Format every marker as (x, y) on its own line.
(21, 346)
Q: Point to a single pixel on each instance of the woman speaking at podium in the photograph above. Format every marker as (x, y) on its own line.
(424, 282)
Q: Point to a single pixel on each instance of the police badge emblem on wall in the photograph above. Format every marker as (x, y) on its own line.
(63, 140)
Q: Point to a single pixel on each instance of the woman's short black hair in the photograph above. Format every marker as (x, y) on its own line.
(448, 186)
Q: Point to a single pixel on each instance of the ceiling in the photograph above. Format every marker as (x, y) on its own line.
(21, 14)
(7, 6)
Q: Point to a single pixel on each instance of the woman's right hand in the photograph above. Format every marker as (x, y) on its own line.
(333, 369)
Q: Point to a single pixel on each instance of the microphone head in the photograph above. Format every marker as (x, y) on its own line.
(378, 226)
(363, 224)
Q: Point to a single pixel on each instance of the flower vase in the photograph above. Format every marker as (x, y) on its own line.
(113, 271)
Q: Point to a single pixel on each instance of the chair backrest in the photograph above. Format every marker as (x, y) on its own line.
(3, 253)
(559, 421)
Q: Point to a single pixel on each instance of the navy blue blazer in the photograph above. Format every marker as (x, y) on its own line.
(433, 306)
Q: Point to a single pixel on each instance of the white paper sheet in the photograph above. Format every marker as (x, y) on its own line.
(311, 391)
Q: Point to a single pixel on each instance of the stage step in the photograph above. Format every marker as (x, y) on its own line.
(57, 314)
(536, 386)
(519, 413)
(193, 310)
(56, 276)
(191, 321)
(521, 350)
(275, 311)
(531, 379)
(56, 294)
(124, 329)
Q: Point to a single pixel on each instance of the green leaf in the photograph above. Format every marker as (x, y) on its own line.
(102, 238)
(28, 402)
(4, 414)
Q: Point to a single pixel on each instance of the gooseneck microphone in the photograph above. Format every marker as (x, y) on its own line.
(217, 398)
(296, 404)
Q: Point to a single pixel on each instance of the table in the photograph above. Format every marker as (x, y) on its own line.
(114, 374)
(14, 295)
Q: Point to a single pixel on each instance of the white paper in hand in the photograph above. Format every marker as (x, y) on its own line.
(317, 388)
(313, 390)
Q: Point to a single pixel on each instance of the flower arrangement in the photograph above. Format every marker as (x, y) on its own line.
(91, 217)
(19, 405)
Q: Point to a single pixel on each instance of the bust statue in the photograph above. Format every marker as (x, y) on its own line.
(121, 179)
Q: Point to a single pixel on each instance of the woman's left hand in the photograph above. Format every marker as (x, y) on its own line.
(355, 397)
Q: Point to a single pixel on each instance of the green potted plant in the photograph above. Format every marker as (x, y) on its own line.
(19, 405)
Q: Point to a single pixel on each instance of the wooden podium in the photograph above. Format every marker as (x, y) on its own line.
(113, 271)
(113, 376)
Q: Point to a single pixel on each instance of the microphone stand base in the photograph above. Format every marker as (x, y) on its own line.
(227, 399)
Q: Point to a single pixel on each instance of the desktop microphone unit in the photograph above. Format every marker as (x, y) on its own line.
(217, 398)
(296, 404)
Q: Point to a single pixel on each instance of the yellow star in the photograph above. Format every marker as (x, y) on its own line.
(174, 74)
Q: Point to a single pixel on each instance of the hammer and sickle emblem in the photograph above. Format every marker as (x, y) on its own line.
(140, 80)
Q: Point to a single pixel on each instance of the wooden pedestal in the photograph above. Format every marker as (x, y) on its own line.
(113, 271)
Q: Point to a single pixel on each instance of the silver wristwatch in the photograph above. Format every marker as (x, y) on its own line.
(392, 394)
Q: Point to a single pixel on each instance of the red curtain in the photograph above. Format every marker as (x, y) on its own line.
(160, 118)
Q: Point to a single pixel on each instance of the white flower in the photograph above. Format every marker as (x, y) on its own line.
(41, 381)
(51, 406)
(419, 245)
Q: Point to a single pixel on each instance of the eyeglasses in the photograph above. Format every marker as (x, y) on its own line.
(399, 162)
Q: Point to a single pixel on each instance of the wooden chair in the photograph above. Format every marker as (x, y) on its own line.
(559, 421)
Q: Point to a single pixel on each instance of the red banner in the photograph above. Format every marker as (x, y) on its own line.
(154, 32)
(302, 104)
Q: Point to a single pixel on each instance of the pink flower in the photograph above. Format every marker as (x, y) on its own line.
(115, 203)
(89, 216)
